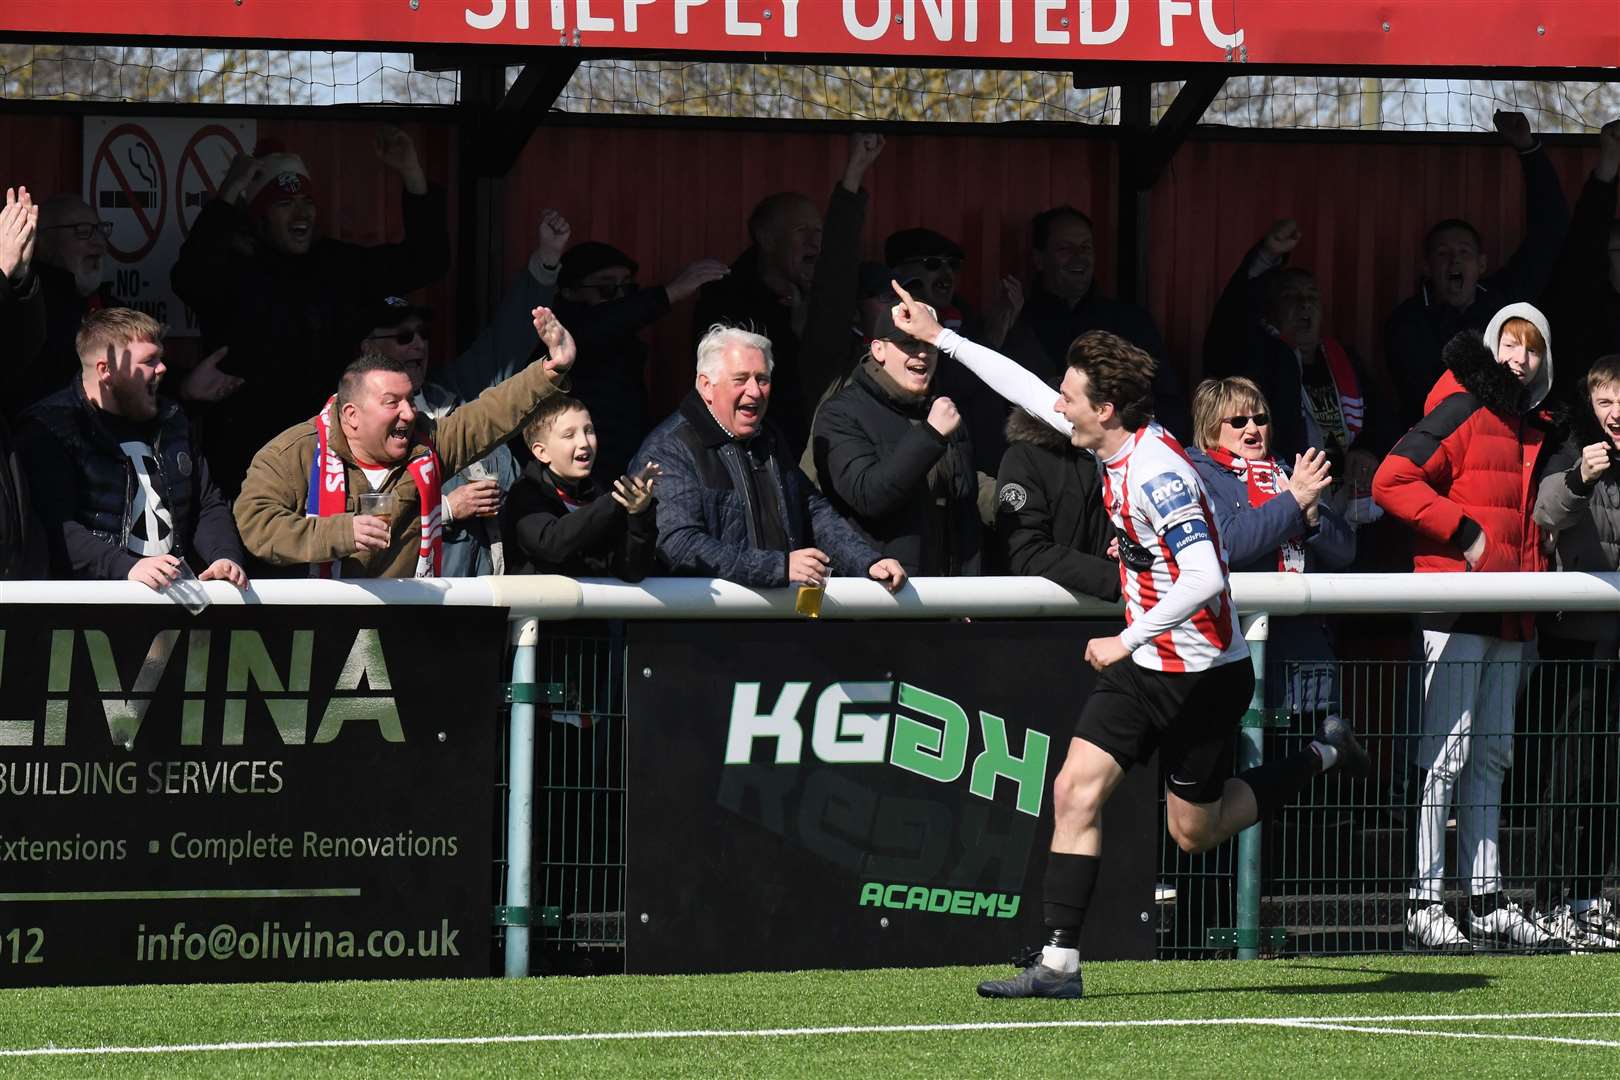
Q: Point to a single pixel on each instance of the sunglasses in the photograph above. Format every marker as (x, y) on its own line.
(613, 292)
(1240, 422)
(84, 229)
(403, 336)
(934, 262)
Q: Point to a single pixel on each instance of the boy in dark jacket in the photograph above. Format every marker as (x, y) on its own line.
(555, 520)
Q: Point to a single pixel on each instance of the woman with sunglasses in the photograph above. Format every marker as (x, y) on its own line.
(1272, 518)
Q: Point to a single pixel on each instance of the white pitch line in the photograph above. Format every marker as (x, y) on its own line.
(1458, 1034)
(778, 1033)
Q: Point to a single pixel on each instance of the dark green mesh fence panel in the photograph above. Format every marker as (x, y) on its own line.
(579, 831)
(1339, 864)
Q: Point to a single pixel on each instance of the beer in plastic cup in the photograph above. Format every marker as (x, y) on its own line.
(381, 504)
(808, 602)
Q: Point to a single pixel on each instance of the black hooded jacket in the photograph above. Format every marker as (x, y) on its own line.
(1050, 518)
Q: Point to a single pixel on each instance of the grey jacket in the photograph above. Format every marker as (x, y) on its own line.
(1583, 523)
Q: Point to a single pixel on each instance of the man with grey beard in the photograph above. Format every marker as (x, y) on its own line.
(69, 260)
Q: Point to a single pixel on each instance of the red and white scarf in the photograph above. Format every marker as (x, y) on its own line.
(1352, 407)
(1266, 480)
(329, 496)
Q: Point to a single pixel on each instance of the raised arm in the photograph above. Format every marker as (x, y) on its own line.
(1014, 382)
(488, 420)
(506, 344)
(1546, 213)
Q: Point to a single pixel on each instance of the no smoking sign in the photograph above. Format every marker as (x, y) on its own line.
(129, 186)
(149, 178)
(203, 165)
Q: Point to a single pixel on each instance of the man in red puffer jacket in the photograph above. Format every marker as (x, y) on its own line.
(1462, 479)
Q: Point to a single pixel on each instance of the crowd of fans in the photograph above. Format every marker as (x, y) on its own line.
(319, 438)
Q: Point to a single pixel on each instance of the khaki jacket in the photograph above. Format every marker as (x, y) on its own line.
(270, 511)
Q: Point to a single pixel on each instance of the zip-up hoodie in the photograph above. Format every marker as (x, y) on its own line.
(1467, 467)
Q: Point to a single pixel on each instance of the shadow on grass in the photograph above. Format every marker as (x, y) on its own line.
(1389, 982)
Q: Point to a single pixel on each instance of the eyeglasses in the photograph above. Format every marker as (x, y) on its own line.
(934, 262)
(1240, 422)
(82, 230)
(403, 336)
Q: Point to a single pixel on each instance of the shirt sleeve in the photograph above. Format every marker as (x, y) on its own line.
(1200, 580)
(1006, 377)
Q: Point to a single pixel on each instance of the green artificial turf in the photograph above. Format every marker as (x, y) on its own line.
(1382, 986)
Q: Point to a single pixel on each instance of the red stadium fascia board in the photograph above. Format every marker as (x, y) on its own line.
(1334, 33)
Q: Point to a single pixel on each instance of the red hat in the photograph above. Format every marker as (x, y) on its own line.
(285, 175)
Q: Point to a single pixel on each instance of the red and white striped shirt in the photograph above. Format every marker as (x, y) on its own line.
(1159, 507)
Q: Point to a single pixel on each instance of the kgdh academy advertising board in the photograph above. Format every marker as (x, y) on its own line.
(256, 793)
(814, 795)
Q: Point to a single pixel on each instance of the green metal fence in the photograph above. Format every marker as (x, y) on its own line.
(578, 869)
(1338, 865)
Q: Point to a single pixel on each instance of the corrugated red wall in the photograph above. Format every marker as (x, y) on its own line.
(1363, 209)
(671, 195)
(668, 197)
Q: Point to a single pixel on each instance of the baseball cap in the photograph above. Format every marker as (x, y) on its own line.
(391, 311)
(884, 328)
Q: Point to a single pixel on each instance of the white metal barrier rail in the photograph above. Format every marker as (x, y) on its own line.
(549, 598)
(544, 598)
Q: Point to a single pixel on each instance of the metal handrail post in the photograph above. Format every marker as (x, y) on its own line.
(520, 800)
(1256, 628)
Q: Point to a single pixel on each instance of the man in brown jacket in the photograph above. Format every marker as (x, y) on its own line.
(380, 443)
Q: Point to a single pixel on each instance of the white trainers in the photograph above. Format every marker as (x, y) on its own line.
(1432, 927)
(1563, 924)
(1507, 925)
(1599, 921)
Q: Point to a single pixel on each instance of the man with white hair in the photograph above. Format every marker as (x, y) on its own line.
(731, 502)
